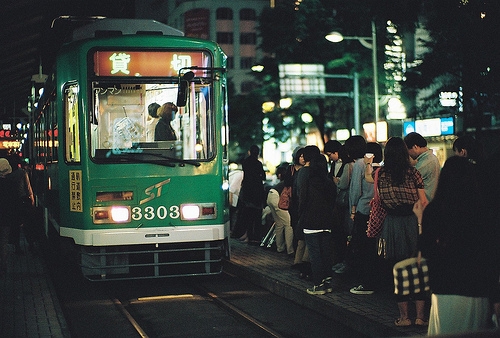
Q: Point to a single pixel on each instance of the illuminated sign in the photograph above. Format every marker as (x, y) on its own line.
(447, 126)
(369, 129)
(147, 63)
(5, 133)
(302, 79)
(11, 144)
(448, 99)
(408, 127)
(430, 127)
(8, 139)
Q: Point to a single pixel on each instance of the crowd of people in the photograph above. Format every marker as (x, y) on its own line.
(443, 217)
(321, 210)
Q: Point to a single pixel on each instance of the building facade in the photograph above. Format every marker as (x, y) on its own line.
(232, 24)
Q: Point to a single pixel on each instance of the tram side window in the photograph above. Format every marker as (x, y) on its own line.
(41, 143)
(225, 125)
(45, 133)
(52, 133)
(72, 137)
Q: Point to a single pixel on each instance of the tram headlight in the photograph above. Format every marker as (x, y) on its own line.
(120, 214)
(190, 211)
(111, 214)
(198, 211)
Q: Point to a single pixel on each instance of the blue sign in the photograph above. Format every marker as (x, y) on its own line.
(447, 126)
(408, 127)
(430, 127)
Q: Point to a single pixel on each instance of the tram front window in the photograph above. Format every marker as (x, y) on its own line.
(125, 117)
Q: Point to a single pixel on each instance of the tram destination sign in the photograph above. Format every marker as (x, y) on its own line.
(122, 63)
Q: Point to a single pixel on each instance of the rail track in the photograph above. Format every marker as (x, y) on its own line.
(209, 306)
(131, 311)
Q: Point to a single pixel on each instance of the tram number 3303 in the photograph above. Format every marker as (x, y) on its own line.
(160, 212)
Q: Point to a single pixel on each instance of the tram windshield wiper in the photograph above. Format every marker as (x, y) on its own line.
(137, 155)
(171, 159)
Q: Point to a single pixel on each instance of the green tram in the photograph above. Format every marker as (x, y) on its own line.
(130, 206)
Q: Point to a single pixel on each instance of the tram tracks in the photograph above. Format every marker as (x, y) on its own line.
(123, 310)
(220, 306)
(131, 311)
(233, 309)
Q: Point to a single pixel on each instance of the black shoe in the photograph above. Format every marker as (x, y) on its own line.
(327, 282)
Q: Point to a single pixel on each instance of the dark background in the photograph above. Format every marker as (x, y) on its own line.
(28, 41)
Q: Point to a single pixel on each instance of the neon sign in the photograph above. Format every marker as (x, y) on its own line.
(147, 63)
(10, 145)
(5, 133)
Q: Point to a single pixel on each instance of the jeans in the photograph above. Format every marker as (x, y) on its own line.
(319, 246)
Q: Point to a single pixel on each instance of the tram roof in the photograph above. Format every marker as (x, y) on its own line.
(113, 27)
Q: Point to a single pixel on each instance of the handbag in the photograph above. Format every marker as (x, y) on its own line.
(410, 277)
(377, 211)
(286, 193)
(285, 196)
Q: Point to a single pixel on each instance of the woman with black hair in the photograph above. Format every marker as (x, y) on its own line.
(461, 244)
(316, 198)
(362, 252)
(400, 186)
(301, 261)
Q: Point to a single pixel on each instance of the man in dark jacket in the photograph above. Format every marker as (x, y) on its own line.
(251, 199)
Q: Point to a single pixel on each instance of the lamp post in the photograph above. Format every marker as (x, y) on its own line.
(370, 43)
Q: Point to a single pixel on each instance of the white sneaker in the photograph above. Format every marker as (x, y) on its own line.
(317, 290)
(360, 290)
(341, 269)
(337, 266)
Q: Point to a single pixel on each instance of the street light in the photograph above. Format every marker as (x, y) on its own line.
(257, 68)
(337, 37)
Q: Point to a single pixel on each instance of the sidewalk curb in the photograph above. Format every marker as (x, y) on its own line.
(314, 303)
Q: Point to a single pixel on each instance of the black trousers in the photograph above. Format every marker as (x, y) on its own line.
(363, 257)
(249, 221)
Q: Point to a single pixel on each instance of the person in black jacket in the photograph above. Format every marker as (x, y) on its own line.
(163, 130)
(7, 212)
(251, 198)
(299, 180)
(22, 194)
(460, 243)
(316, 199)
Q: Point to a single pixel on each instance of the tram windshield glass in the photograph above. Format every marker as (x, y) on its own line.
(138, 121)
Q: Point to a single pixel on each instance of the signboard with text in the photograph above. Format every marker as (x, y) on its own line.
(147, 63)
(75, 190)
(302, 79)
(430, 127)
